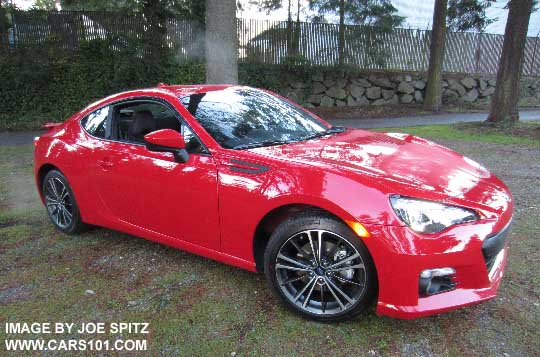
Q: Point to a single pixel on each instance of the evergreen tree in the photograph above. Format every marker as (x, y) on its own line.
(465, 15)
(381, 15)
(292, 32)
(192, 9)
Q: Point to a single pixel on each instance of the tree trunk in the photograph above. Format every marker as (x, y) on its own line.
(3, 27)
(341, 40)
(290, 50)
(297, 30)
(433, 98)
(221, 43)
(504, 105)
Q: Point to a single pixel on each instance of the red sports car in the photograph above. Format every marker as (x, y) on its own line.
(336, 218)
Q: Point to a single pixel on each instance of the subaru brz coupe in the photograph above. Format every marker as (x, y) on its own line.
(336, 218)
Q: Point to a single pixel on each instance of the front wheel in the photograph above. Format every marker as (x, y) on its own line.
(319, 268)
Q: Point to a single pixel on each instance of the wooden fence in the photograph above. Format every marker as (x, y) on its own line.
(67, 30)
(270, 42)
(403, 49)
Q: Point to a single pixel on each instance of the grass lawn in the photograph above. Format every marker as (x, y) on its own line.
(524, 133)
(391, 111)
(201, 307)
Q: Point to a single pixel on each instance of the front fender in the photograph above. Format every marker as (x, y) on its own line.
(247, 197)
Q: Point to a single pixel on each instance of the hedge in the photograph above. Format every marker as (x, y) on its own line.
(37, 85)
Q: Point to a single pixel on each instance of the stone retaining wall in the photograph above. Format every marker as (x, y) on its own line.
(337, 89)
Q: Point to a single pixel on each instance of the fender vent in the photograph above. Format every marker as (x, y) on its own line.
(247, 167)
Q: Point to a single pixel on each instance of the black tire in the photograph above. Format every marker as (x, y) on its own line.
(60, 203)
(338, 248)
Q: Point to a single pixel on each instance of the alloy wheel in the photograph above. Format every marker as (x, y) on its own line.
(320, 272)
(58, 202)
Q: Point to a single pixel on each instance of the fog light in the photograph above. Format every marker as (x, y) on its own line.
(436, 281)
(430, 273)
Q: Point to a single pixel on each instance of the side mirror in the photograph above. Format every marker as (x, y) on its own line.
(167, 140)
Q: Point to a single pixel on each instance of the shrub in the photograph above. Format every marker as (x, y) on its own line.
(39, 86)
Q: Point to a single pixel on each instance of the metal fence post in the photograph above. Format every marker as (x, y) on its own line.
(533, 68)
(478, 54)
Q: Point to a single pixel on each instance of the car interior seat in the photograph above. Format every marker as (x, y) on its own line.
(142, 124)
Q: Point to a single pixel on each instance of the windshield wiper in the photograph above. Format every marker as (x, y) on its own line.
(335, 129)
(329, 131)
(262, 144)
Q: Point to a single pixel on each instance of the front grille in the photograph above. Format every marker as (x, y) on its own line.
(493, 244)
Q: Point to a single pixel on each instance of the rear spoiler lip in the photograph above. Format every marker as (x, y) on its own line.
(50, 126)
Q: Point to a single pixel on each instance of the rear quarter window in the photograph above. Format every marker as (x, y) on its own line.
(96, 123)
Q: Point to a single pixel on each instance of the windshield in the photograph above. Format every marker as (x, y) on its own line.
(241, 118)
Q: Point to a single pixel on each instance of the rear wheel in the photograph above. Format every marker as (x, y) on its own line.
(60, 202)
(320, 268)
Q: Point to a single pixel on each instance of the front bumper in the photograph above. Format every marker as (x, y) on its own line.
(476, 251)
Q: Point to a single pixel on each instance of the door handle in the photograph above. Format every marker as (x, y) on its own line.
(105, 163)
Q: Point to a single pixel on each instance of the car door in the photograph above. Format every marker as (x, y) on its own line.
(149, 189)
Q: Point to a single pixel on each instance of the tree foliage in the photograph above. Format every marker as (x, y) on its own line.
(292, 32)
(465, 15)
(155, 15)
(193, 9)
(48, 5)
(377, 13)
(380, 15)
(271, 5)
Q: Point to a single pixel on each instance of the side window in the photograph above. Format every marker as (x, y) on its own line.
(193, 145)
(96, 123)
(132, 121)
(187, 134)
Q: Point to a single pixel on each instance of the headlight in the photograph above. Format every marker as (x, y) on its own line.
(429, 217)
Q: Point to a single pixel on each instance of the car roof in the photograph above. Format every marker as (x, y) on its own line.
(185, 90)
(177, 90)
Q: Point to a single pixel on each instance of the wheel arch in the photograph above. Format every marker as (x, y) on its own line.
(278, 214)
(44, 169)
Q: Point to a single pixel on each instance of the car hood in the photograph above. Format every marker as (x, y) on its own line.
(401, 164)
